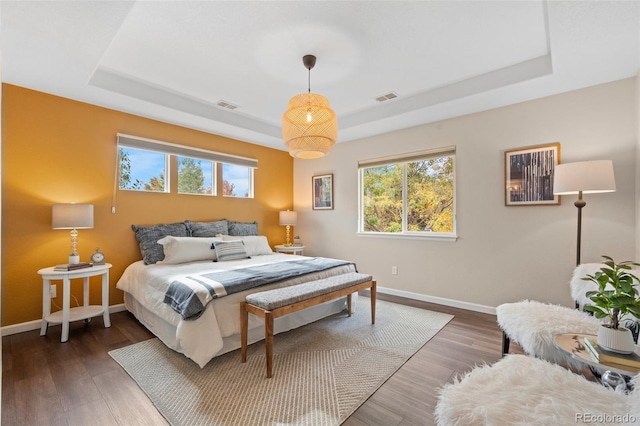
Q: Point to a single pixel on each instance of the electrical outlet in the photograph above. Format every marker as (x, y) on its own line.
(394, 270)
(53, 292)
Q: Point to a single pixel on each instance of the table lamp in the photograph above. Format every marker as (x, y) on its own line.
(288, 218)
(584, 177)
(72, 216)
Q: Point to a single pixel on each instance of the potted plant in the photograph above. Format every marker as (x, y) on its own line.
(617, 296)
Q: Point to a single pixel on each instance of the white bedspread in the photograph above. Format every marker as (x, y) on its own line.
(202, 339)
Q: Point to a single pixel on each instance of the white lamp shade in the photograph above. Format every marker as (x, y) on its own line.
(586, 176)
(288, 217)
(72, 216)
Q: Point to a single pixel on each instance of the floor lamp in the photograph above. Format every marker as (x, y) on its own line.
(584, 177)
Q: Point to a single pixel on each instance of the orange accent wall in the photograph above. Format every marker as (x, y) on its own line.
(56, 150)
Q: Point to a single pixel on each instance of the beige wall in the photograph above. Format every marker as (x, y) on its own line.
(503, 253)
(55, 150)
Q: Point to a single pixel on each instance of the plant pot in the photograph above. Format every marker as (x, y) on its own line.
(619, 340)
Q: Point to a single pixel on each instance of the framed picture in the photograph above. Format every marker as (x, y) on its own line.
(528, 175)
(322, 192)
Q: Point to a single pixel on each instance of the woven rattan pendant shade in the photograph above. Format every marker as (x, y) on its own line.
(309, 126)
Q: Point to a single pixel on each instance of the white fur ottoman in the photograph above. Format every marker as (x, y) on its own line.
(520, 390)
(533, 324)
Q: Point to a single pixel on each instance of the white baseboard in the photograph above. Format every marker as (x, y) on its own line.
(439, 300)
(36, 324)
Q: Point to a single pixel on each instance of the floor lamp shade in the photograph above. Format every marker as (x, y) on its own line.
(72, 216)
(584, 177)
(588, 177)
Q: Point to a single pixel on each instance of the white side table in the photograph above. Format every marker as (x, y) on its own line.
(281, 248)
(67, 313)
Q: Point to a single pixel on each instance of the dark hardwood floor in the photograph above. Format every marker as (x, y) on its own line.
(77, 383)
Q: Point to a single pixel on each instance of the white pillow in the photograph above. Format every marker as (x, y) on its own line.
(255, 245)
(187, 249)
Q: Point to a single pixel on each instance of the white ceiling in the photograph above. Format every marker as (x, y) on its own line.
(175, 60)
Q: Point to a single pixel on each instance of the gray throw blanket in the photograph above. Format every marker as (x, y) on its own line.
(189, 295)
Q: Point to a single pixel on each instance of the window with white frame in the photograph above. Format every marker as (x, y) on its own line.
(237, 181)
(142, 170)
(412, 194)
(143, 165)
(196, 176)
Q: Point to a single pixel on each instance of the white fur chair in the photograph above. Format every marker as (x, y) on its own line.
(520, 390)
(579, 287)
(533, 324)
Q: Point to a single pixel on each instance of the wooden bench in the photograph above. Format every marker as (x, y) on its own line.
(272, 304)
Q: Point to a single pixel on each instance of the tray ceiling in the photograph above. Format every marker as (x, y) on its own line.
(178, 61)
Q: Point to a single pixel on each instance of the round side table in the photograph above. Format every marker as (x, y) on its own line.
(281, 248)
(68, 314)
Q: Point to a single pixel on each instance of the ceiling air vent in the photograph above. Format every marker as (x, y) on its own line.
(386, 97)
(227, 105)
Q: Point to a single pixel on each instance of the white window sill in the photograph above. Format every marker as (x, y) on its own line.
(449, 238)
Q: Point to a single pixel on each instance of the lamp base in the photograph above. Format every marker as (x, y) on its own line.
(74, 259)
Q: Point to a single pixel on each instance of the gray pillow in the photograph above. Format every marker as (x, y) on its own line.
(243, 228)
(148, 237)
(208, 229)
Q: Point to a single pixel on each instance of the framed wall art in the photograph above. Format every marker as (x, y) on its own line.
(529, 175)
(322, 192)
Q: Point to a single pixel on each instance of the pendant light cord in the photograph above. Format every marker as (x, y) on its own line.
(309, 82)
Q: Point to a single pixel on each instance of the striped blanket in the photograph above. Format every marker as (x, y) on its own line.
(189, 295)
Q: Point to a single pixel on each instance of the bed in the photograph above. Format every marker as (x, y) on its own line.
(214, 330)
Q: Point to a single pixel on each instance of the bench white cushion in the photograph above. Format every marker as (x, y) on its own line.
(273, 299)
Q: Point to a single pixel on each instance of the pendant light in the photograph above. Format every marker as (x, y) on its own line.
(309, 126)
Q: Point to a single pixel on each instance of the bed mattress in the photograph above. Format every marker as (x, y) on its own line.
(217, 330)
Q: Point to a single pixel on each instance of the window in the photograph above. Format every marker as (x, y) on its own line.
(143, 165)
(196, 176)
(409, 195)
(237, 181)
(142, 170)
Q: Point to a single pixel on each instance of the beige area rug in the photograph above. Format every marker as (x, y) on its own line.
(322, 372)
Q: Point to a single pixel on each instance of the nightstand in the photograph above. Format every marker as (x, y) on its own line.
(68, 314)
(281, 248)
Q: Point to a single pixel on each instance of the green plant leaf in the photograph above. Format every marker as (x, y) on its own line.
(634, 310)
(617, 293)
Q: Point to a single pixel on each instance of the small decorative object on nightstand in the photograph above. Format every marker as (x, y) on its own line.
(97, 257)
(282, 248)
